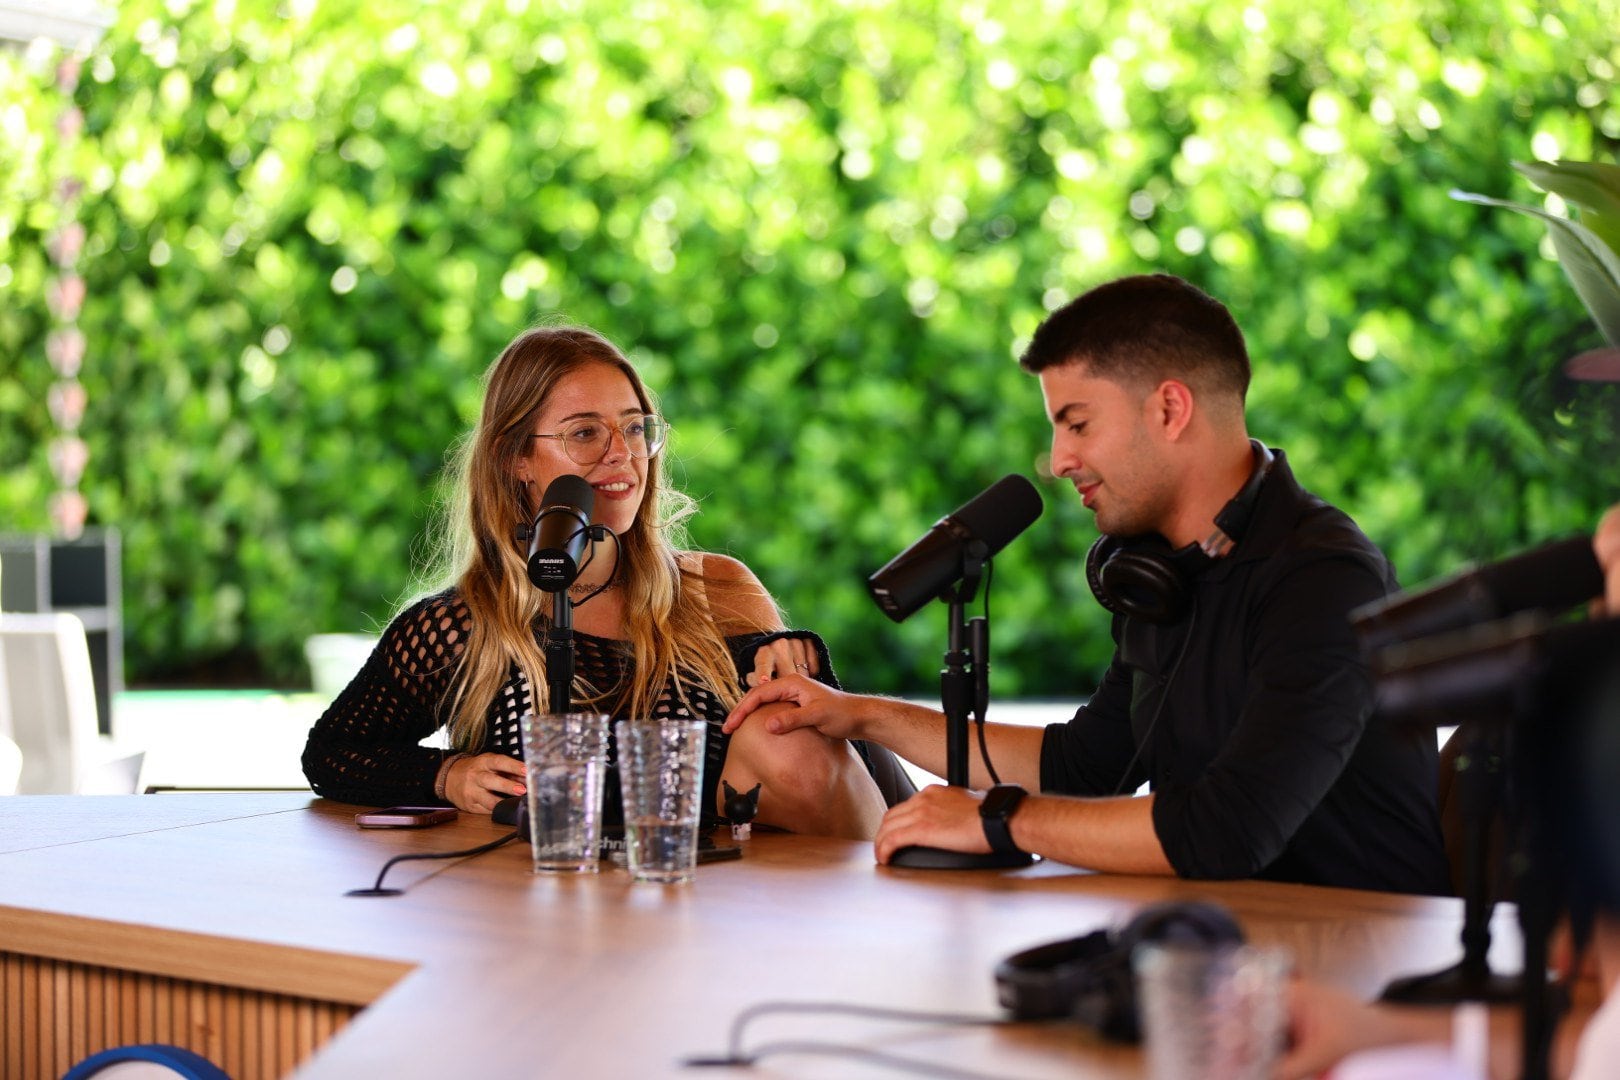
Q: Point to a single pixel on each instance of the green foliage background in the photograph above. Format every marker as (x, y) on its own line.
(825, 232)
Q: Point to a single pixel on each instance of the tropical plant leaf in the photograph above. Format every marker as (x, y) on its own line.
(1593, 186)
(1592, 266)
(1605, 227)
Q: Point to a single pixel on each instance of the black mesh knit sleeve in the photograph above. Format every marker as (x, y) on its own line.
(365, 748)
(745, 647)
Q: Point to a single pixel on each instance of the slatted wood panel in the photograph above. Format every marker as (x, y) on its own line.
(54, 1014)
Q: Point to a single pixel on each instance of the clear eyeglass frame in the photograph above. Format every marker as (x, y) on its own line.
(587, 441)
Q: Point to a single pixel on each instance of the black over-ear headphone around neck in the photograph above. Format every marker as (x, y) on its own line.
(1143, 578)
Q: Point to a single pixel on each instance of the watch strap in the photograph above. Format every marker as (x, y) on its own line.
(994, 813)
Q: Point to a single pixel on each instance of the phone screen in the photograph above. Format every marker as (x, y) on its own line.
(404, 817)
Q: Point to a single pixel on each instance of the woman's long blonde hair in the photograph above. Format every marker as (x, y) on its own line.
(672, 633)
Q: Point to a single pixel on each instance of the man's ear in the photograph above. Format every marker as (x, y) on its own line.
(1170, 408)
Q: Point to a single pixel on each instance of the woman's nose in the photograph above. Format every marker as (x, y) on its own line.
(618, 446)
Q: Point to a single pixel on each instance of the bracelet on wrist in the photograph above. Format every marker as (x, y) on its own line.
(443, 776)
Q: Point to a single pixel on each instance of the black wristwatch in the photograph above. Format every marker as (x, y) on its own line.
(994, 812)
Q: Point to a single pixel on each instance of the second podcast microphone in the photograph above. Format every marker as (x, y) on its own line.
(934, 563)
(559, 533)
(1551, 578)
(1525, 662)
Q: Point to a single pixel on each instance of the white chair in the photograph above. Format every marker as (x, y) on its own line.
(10, 765)
(335, 659)
(48, 708)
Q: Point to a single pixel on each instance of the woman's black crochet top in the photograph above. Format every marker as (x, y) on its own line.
(366, 747)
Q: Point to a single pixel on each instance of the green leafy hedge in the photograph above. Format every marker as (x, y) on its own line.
(825, 235)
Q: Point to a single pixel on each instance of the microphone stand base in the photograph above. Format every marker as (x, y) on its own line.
(918, 857)
(1460, 982)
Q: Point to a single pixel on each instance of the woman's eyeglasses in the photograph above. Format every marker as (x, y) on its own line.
(587, 441)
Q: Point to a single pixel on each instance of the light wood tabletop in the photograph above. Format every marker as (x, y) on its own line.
(236, 903)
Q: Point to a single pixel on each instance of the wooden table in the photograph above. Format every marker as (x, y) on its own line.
(219, 922)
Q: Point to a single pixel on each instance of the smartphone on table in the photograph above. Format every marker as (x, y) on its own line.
(405, 817)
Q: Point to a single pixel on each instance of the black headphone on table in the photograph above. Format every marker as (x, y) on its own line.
(1143, 578)
(1090, 978)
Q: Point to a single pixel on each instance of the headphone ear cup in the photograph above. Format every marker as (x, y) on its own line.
(1101, 550)
(1091, 979)
(1139, 580)
(1188, 922)
(1107, 1003)
(1043, 983)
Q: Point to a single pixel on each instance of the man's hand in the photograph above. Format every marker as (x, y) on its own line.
(914, 732)
(832, 712)
(937, 816)
(478, 781)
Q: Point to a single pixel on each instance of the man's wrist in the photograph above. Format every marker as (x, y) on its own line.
(995, 816)
(882, 719)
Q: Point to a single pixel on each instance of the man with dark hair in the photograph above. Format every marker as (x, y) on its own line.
(1236, 691)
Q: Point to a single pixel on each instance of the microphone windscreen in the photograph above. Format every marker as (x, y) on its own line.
(1001, 511)
(560, 532)
(570, 490)
(1526, 663)
(936, 560)
(1554, 577)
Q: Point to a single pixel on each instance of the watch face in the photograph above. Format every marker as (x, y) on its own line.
(1000, 800)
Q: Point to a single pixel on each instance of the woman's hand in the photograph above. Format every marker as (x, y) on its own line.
(477, 782)
(1326, 1023)
(1606, 545)
(784, 656)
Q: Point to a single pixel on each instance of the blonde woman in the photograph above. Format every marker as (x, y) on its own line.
(659, 631)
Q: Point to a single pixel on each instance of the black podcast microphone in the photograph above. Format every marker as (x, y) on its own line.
(559, 532)
(1511, 665)
(1554, 577)
(933, 564)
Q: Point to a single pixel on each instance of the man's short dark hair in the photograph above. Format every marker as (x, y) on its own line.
(1142, 330)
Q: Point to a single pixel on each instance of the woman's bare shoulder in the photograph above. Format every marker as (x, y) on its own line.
(737, 599)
